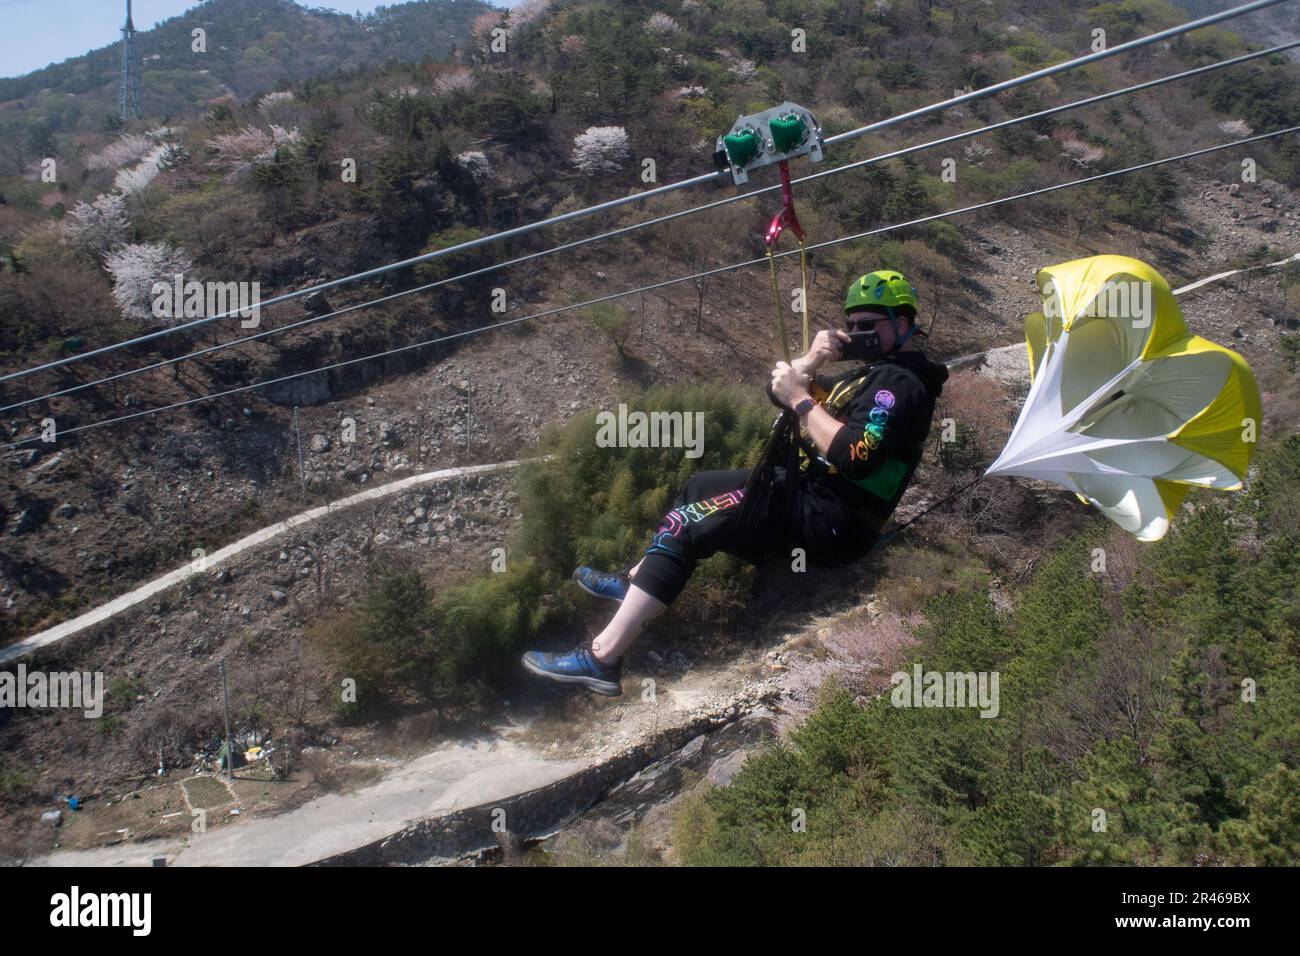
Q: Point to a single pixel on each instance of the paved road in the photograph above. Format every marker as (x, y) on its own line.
(144, 592)
(1224, 275)
(452, 777)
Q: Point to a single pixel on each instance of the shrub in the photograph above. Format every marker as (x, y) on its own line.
(458, 80)
(457, 262)
(386, 644)
(589, 505)
(835, 119)
(476, 164)
(479, 627)
(980, 417)
(1236, 128)
(16, 785)
(1289, 346)
(611, 319)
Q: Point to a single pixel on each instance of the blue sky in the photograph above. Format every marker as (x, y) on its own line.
(39, 32)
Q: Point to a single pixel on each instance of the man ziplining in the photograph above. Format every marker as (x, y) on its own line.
(862, 435)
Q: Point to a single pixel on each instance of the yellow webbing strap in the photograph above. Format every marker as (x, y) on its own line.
(782, 335)
(776, 299)
(803, 280)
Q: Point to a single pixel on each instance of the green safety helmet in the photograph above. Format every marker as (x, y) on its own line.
(884, 290)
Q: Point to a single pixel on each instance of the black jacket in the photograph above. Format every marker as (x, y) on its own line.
(849, 493)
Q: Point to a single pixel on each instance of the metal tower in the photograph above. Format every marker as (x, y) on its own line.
(128, 97)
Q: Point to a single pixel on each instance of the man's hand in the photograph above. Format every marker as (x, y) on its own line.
(789, 385)
(826, 347)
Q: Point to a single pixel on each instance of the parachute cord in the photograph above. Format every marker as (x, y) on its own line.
(897, 529)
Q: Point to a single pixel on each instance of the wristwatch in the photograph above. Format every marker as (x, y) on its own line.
(804, 407)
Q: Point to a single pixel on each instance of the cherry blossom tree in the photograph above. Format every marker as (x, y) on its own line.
(133, 180)
(662, 25)
(476, 164)
(278, 107)
(123, 151)
(98, 226)
(136, 268)
(251, 146)
(573, 46)
(600, 149)
(528, 11)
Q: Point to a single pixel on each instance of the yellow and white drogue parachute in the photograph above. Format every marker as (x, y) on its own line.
(1127, 408)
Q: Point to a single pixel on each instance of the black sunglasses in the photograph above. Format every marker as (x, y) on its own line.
(863, 320)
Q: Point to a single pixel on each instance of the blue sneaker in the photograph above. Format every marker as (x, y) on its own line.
(578, 666)
(602, 584)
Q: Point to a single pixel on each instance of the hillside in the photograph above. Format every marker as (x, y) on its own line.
(244, 205)
(1272, 25)
(251, 187)
(252, 46)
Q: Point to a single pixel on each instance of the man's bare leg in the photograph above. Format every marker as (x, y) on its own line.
(637, 609)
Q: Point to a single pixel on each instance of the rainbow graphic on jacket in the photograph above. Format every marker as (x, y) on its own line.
(874, 433)
(679, 518)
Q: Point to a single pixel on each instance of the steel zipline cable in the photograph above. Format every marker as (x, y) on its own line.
(707, 178)
(669, 217)
(669, 282)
